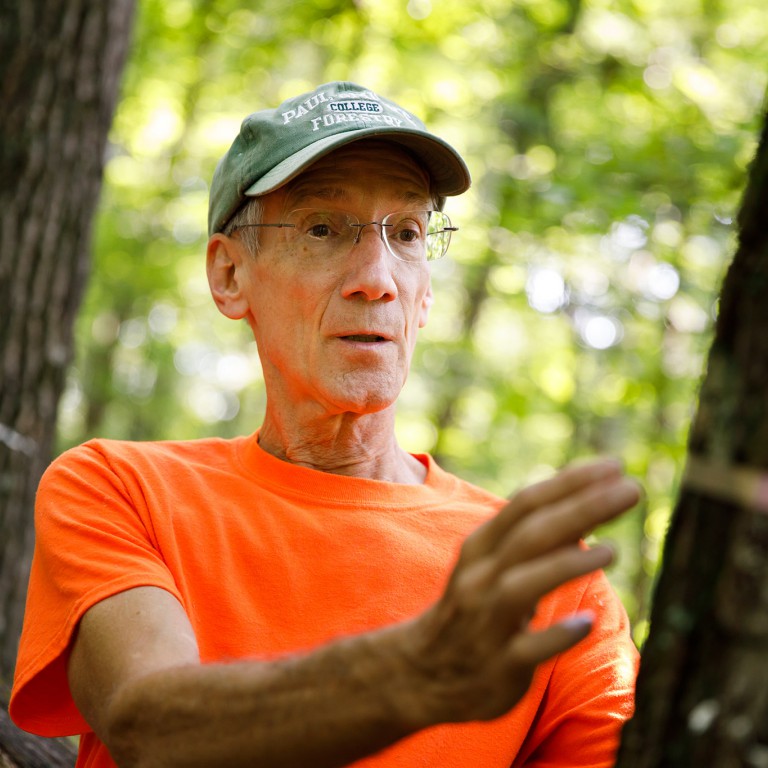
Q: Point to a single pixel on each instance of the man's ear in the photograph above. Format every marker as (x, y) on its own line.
(426, 303)
(224, 266)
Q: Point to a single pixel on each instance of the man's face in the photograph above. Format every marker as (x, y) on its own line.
(338, 333)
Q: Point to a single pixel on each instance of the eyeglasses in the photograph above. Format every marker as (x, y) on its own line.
(409, 235)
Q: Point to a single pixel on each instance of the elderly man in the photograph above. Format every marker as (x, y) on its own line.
(312, 594)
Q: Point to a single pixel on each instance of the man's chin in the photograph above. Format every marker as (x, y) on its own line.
(365, 407)
(364, 399)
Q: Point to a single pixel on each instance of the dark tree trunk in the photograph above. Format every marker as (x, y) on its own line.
(703, 685)
(59, 73)
(60, 68)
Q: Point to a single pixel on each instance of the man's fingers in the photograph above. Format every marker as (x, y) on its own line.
(567, 521)
(520, 589)
(531, 648)
(566, 482)
(589, 490)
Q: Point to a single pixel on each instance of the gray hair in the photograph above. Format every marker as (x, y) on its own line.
(249, 213)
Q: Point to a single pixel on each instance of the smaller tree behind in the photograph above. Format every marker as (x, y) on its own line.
(60, 70)
(703, 685)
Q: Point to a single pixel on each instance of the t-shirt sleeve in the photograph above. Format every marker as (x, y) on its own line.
(590, 693)
(94, 539)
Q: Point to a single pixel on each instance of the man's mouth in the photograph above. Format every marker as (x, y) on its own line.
(368, 338)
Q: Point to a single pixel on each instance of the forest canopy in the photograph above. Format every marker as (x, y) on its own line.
(608, 143)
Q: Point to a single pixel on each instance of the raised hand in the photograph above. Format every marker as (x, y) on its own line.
(474, 650)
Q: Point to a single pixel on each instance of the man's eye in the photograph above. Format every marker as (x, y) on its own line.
(407, 231)
(319, 231)
(408, 235)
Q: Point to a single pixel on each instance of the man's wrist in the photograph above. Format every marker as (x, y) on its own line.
(406, 687)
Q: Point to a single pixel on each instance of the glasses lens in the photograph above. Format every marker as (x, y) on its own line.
(438, 236)
(406, 234)
(321, 232)
(415, 235)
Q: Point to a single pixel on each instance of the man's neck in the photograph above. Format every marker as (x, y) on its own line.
(344, 444)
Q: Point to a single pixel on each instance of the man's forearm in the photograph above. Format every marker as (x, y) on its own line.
(329, 708)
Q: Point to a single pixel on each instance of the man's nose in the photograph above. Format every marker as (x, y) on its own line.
(370, 266)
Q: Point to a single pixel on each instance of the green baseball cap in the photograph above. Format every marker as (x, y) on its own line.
(276, 145)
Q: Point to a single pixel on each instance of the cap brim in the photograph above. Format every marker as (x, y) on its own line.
(449, 173)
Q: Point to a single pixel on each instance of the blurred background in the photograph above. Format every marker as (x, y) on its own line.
(608, 142)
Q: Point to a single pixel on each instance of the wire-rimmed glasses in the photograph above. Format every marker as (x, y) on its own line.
(409, 235)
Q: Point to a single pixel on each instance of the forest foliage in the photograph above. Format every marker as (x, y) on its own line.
(608, 141)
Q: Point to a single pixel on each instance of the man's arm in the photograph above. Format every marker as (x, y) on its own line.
(136, 677)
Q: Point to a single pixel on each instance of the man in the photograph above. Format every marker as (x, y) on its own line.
(302, 596)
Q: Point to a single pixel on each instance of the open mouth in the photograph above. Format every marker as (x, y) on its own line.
(368, 338)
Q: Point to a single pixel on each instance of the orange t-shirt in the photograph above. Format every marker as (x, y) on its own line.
(268, 558)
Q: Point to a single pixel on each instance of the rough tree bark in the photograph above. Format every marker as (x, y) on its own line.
(703, 685)
(60, 70)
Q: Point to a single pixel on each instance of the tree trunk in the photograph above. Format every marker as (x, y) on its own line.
(60, 70)
(703, 685)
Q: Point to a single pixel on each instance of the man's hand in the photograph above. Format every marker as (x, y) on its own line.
(474, 652)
